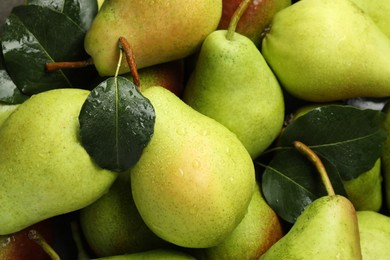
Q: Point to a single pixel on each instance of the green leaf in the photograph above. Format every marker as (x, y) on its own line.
(348, 137)
(34, 35)
(80, 12)
(290, 182)
(9, 93)
(116, 124)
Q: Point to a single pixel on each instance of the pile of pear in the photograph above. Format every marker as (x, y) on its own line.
(194, 193)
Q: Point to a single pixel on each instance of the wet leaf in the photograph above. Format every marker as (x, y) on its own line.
(290, 182)
(80, 12)
(116, 124)
(348, 137)
(34, 35)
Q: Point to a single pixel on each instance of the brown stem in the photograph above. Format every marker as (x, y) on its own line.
(54, 66)
(130, 58)
(37, 238)
(313, 157)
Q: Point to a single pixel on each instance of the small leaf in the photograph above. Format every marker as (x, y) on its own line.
(81, 12)
(290, 183)
(116, 124)
(348, 137)
(34, 35)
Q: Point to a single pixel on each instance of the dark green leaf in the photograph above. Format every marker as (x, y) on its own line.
(116, 124)
(34, 35)
(9, 93)
(348, 137)
(290, 182)
(81, 12)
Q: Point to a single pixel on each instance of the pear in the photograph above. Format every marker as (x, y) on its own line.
(5, 111)
(44, 169)
(365, 191)
(378, 11)
(256, 233)
(112, 225)
(157, 254)
(328, 50)
(233, 84)
(256, 18)
(374, 231)
(158, 31)
(326, 229)
(194, 181)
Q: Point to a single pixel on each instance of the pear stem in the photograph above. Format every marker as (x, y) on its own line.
(129, 53)
(313, 157)
(54, 66)
(236, 18)
(37, 238)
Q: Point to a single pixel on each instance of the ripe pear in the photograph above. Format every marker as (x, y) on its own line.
(5, 111)
(157, 254)
(233, 84)
(112, 225)
(44, 169)
(378, 11)
(256, 18)
(194, 181)
(326, 229)
(256, 233)
(328, 50)
(158, 31)
(374, 231)
(365, 191)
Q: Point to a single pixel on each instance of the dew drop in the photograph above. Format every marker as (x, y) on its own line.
(181, 131)
(196, 164)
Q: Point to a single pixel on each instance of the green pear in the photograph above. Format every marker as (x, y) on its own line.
(378, 11)
(5, 111)
(158, 31)
(157, 254)
(365, 191)
(233, 84)
(44, 169)
(328, 50)
(112, 225)
(194, 181)
(256, 233)
(374, 229)
(326, 229)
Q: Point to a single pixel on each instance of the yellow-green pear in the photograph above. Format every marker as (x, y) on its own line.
(378, 11)
(365, 191)
(5, 111)
(158, 31)
(256, 233)
(194, 181)
(326, 229)
(374, 229)
(157, 254)
(44, 169)
(328, 50)
(112, 225)
(233, 84)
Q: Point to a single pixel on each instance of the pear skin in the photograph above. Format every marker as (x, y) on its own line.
(194, 181)
(45, 171)
(256, 233)
(5, 111)
(233, 84)
(112, 225)
(374, 231)
(326, 229)
(158, 31)
(330, 50)
(157, 254)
